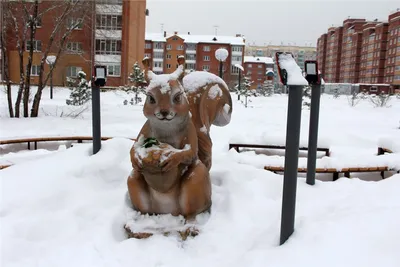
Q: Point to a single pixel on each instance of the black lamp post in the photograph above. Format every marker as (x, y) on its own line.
(50, 60)
(221, 54)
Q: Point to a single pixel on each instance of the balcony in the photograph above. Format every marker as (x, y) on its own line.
(107, 58)
(108, 9)
(109, 34)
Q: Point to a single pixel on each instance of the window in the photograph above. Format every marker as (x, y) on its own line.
(35, 69)
(37, 45)
(147, 46)
(179, 47)
(206, 48)
(190, 57)
(250, 65)
(168, 66)
(109, 22)
(108, 47)
(237, 58)
(74, 23)
(158, 55)
(158, 45)
(190, 66)
(72, 71)
(147, 55)
(169, 56)
(236, 48)
(74, 47)
(190, 47)
(206, 67)
(38, 22)
(259, 66)
(157, 64)
(206, 58)
(234, 70)
(114, 70)
(169, 47)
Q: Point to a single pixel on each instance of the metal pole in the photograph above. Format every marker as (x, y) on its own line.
(291, 161)
(51, 85)
(313, 134)
(96, 126)
(220, 69)
(239, 85)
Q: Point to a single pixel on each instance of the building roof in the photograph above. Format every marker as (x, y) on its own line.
(155, 37)
(251, 59)
(189, 38)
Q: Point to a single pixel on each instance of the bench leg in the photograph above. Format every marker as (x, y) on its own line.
(383, 174)
(335, 176)
(29, 145)
(347, 174)
(35, 145)
(80, 141)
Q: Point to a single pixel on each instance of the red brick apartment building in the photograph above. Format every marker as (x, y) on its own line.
(113, 36)
(199, 50)
(363, 52)
(257, 69)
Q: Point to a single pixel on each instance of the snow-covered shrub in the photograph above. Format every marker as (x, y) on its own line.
(138, 84)
(267, 88)
(80, 93)
(380, 100)
(336, 92)
(244, 90)
(355, 98)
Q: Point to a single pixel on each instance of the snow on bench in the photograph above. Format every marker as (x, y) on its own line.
(273, 141)
(389, 144)
(35, 140)
(342, 164)
(267, 138)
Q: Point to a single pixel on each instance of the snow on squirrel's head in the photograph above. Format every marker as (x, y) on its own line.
(166, 100)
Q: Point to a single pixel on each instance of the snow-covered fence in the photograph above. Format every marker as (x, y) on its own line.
(344, 88)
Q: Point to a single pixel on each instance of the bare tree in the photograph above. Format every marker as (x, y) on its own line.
(20, 21)
(4, 56)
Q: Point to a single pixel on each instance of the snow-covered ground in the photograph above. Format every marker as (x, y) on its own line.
(64, 207)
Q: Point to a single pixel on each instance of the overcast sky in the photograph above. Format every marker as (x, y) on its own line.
(262, 21)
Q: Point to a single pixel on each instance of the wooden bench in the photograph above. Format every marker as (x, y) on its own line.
(35, 140)
(237, 146)
(4, 166)
(334, 171)
(382, 150)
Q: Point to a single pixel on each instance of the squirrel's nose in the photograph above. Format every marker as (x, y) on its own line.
(164, 112)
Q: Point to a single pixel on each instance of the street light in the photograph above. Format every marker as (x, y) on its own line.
(240, 67)
(98, 81)
(221, 54)
(290, 75)
(50, 60)
(314, 79)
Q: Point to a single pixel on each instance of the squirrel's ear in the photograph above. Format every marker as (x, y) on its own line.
(181, 61)
(146, 65)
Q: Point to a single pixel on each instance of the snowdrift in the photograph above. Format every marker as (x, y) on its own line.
(68, 209)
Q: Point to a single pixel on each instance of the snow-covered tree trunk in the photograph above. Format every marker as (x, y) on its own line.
(4, 55)
(31, 22)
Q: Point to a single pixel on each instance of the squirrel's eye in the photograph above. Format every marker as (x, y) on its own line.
(177, 98)
(151, 99)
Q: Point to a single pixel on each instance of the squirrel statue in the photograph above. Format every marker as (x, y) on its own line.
(172, 156)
